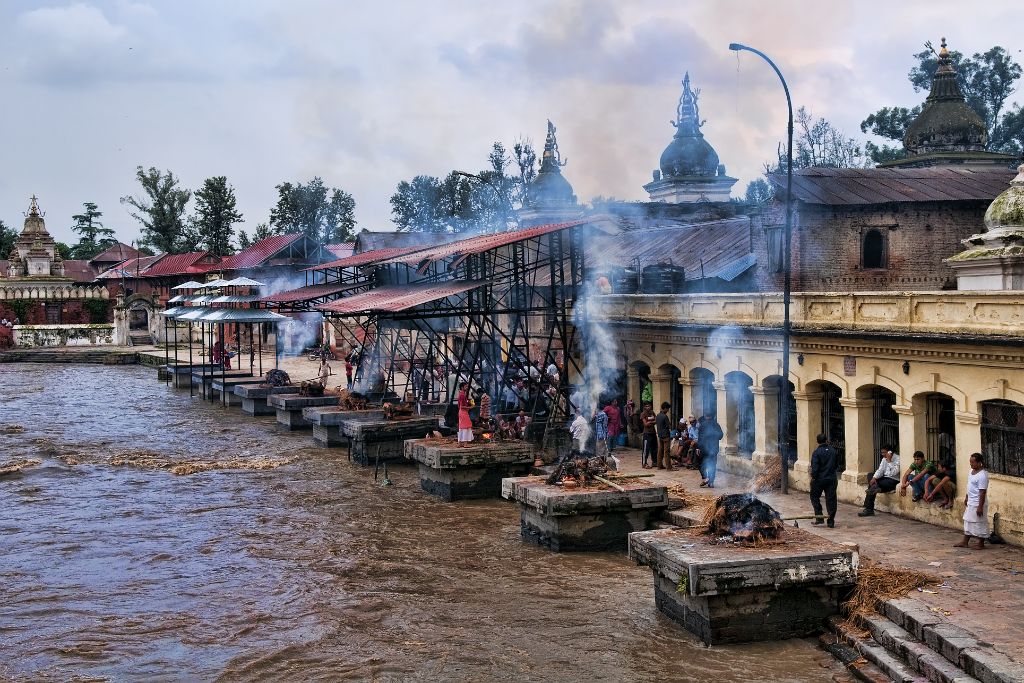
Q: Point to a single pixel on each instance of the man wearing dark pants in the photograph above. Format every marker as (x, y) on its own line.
(885, 480)
(650, 443)
(664, 437)
(824, 479)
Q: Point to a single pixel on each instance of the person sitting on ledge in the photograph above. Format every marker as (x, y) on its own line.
(917, 475)
(942, 486)
(884, 480)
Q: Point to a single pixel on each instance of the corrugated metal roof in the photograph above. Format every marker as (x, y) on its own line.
(716, 245)
(179, 264)
(733, 270)
(367, 258)
(396, 298)
(241, 315)
(482, 243)
(839, 186)
(118, 253)
(234, 299)
(307, 293)
(341, 250)
(258, 253)
(79, 271)
(130, 268)
(370, 241)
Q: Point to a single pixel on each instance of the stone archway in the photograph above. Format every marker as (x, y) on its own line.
(135, 317)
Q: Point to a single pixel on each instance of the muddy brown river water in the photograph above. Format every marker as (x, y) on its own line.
(114, 568)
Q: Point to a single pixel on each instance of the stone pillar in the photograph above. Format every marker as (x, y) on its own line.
(808, 426)
(662, 385)
(860, 446)
(729, 438)
(633, 388)
(968, 440)
(688, 385)
(766, 423)
(912, 432)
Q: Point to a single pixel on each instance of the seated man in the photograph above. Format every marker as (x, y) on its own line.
(916, 476)
(884, 480)
(941, 486)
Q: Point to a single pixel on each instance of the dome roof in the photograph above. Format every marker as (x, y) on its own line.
(946, 122)
(1007, 210)
(689, 154)
(550, 188)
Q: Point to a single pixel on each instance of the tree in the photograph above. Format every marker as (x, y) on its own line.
(414, 205)
(816, 142)
(262, 232)
(63, 250)
(216, 215)
(8, 236)
(759, 191)
(161, 211)
(93, 237)
(987, 81)
(324, 214)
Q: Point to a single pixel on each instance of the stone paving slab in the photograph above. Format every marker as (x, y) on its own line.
(986, 588)
(448, 454)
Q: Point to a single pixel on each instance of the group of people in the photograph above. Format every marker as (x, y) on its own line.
(694, 444)
(932, 482)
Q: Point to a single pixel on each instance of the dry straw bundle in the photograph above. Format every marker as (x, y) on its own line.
(878, 583)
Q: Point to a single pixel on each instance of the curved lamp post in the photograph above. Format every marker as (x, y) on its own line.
(785, 394)
(501, 195)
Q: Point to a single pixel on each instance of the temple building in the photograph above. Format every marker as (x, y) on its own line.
(36, 288)
(689, 170)
(549, 197)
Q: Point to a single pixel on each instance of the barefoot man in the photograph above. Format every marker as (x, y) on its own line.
(976, 502)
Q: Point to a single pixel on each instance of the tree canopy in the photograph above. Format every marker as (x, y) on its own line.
(215, 216)
(987, 81)
(93, 236)
(161, 211)
(325, 214)
(8, 236)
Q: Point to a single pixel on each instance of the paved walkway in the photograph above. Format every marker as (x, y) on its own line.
(986, 587)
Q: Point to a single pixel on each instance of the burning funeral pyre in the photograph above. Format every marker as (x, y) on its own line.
(579, 469)
(743, 517)
(277, 378)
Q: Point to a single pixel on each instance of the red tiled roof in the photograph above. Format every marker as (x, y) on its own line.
(258, 253)
(130, 268)
(180, 264)
(834, 186)
(116, 254)
(366, 258)
(341, 250)
(79, 270)
(396, 298)
(482, 243)
(307, 293)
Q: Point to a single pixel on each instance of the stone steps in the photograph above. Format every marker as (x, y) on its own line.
(92, 357)
(140, 339)
(912, 644)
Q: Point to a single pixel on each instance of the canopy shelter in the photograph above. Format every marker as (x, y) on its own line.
(243, 281)
(191, 284)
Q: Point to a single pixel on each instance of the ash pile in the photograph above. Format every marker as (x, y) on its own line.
(578, 468)
(742, 517)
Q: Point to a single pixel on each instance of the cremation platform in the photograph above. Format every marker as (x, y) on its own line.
(476, 471)
(227, 386)
(254, 397)
(289, 408)
(181, 374)
(372, 439)
(326, 422)
(205, 382)
(735, 592)
(588, 518)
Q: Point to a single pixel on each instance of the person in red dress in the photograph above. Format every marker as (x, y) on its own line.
(465, 423)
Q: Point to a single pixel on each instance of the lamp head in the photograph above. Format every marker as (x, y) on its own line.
(736, 47)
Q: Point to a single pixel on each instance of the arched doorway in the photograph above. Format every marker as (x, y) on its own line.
(671, 391)
(830, 419)
(939, 413)
(771, 426)
(885, 422)
(739, 420)
(704, 398)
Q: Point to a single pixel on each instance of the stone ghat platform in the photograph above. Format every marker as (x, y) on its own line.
(289, 408)
(327, 421)
(584, 518)
(476, 471)
(205, 381)
(227, 387)
(373, 439)
(729, 592)
(254, 397)
(181, 374)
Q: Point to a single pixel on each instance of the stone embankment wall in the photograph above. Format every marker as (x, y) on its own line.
(35, 336)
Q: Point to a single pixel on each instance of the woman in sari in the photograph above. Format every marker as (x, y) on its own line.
(465, 423)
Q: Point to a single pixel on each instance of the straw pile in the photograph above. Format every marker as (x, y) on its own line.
(770, 478)
(877, 583)
(688, 499)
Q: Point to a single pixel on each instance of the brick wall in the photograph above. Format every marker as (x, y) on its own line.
(827, 245)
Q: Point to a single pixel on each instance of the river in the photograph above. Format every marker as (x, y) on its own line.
(115, 568)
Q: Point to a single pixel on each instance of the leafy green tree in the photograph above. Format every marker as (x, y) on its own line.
(987, 81)
(8, 236)
(324, 214)
(93, 236)
(63, 250)
(816, 142)
(216, 215)
(261, 232)
(759, 191)
(161, 211)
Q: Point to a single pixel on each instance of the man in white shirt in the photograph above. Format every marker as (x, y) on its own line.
(885, 480)
(976, 504)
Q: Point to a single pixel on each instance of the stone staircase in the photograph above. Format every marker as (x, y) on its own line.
(911, 644)
(140, 338)
(62, 356)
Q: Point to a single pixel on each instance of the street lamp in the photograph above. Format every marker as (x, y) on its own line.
(785, 394)
(501, 195)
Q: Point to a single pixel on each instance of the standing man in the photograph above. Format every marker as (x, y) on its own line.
(976, 504)
(824, 479)
(709, 434)
(600, 419)
(664, 431)
(614, 422)
(885, 480)
(650, 443)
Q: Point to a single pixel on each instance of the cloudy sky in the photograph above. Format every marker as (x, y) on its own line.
(367, 94)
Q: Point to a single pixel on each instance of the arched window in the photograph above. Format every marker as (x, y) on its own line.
(874, 249)
(1002, 437)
